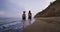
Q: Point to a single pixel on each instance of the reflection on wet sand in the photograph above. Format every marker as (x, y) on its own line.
(29, 21)
(26, 22)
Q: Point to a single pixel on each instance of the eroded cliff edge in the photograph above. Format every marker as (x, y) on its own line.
(53, 10)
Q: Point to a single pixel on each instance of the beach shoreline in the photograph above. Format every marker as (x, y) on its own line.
(47, 24)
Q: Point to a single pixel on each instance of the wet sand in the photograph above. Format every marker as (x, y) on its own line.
(17, 26)
(45, 24)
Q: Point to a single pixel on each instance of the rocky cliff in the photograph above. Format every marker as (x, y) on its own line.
(53, 10)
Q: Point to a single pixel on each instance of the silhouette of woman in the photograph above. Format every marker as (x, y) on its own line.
(29, 15)
(24, 15)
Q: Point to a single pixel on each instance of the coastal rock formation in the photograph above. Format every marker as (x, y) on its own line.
(53, 10)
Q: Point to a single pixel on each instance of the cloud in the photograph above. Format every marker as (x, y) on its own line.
(14, 8)
(35, 5)
(2, 13)
(11, 8)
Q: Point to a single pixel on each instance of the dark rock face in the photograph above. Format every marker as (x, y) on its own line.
(53, 10)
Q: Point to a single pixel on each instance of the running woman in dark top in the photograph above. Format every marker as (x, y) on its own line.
(24, 16)
(29, 15)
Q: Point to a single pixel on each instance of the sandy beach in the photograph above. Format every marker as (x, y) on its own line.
(44, 24)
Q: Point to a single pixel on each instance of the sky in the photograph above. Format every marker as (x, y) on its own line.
(15, 8)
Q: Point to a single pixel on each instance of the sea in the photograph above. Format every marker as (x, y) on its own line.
(14, 24)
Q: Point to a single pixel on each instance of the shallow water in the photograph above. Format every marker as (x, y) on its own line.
(14, 24)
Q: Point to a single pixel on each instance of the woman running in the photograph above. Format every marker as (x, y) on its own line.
(24, 16)
(29, 15)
